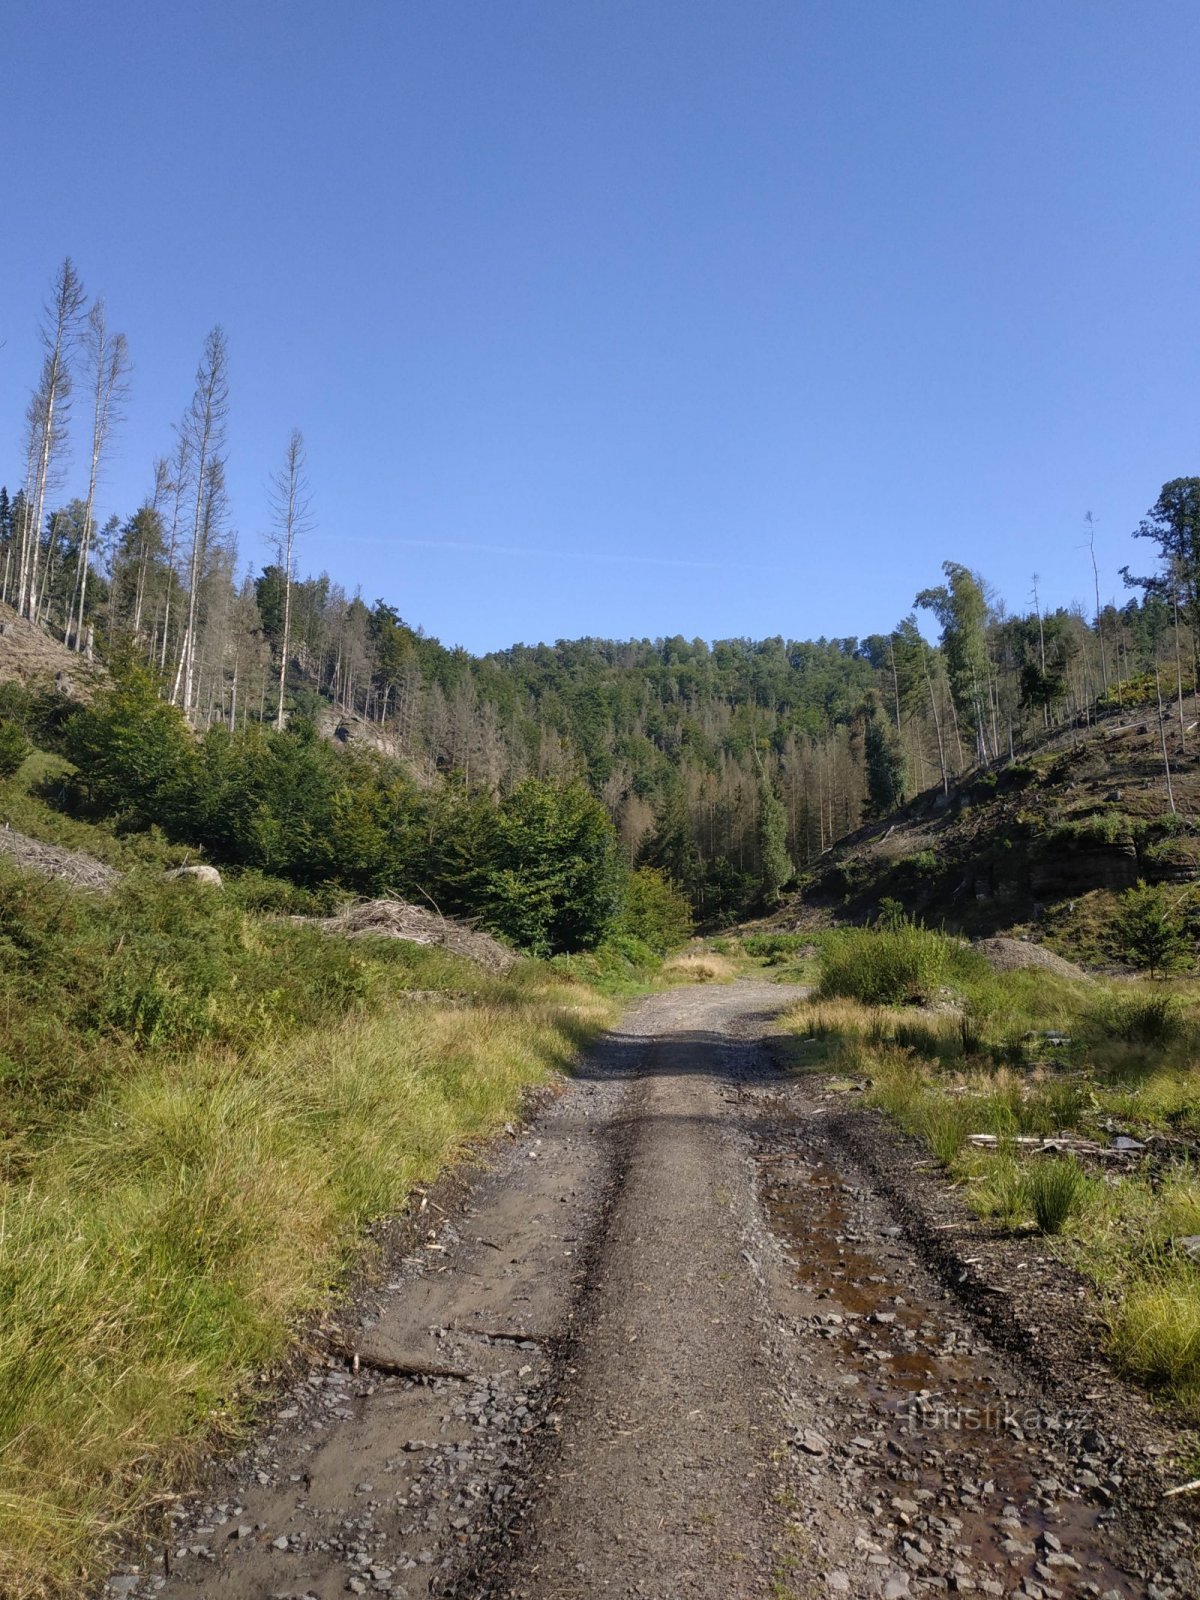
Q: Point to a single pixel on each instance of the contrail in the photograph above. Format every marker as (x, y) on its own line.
(539, 555)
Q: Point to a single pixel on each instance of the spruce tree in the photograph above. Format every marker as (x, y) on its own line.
(775, 866)
(885, 768)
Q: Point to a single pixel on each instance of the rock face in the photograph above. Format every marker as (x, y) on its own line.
(198, 874)
(1072, 872)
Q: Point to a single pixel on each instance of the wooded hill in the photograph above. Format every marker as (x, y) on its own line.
(728, 764)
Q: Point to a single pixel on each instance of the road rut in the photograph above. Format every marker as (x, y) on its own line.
(673, 1342)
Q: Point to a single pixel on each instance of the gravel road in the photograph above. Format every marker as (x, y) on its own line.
(696, 1331)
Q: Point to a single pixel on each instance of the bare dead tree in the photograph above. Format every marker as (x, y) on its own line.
(108, 367)
(290, 503)
(204, 428)
(47, 417)
(181, 471)
(1091, 528)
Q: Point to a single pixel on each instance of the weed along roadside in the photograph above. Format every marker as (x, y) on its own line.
(537, 1401)
(184, 1185)
(1063, 1109)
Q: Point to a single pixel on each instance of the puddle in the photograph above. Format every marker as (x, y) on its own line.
(969, 1470)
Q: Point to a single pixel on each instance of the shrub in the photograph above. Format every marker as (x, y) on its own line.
(1153, 1019)
(772, 946)
(14, 747)
(550, 877)
(655, 911)
(134, 753)
(1055, 1189)
(922, 863)
(1152, 931)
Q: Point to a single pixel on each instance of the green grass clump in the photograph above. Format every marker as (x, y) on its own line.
(1055, 1190)
(1154, 1333)
(892, 966)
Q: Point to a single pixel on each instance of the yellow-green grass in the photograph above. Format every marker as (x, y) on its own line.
(699, 965)
(944, 1074)
(172, 1242)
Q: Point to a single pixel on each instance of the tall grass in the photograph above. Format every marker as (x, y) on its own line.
(894, 966)
(167, 1245)
(1154, 1332)
(199, 1110)
(1055, 1190)
(1127, 1061)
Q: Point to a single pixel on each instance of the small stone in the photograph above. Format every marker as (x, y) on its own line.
(838, 1582)
(281, 1543)
(812, 1443)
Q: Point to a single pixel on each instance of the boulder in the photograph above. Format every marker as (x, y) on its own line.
(198, 874)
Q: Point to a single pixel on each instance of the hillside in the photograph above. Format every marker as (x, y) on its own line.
(1041, 845)
(31, 655)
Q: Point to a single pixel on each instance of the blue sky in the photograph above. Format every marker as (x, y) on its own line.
(635, 319)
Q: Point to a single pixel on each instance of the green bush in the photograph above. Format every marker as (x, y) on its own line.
(655, 911)
(921, 864)
(772, 946)
(549, 875)
(1151, 929)
(134, 755)
(1153, 1019)
(14, 747)
(888, 967)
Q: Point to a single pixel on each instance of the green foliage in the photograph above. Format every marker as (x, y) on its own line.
(14, 747)
(892, 914)
(1152, 930)
(882, 967)
(961, 608)
(40, 713)
(885, 768)
(549, 874)
(1101, 828)
(1136, 1018)
(921, 864)
(85, 981)
(134, 755)
(776, 866)
(655, 911)
(774, 946)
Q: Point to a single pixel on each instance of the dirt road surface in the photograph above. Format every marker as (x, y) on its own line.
(701, 1331)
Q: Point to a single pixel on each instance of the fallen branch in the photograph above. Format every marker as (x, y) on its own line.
(1050, 1146)
(397, 1366)
(1184, 1488)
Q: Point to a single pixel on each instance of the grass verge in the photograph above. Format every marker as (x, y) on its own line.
(200, 1110)
(1026, 1054)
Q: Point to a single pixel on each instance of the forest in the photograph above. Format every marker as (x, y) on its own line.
(726, 765)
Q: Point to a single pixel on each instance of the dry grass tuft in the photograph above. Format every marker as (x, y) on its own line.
(700, 966)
